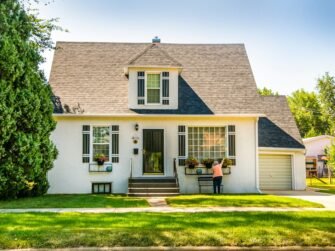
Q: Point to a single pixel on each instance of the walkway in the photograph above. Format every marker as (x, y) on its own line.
(326, 199)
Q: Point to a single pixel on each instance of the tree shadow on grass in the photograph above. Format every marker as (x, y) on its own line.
(153, 229)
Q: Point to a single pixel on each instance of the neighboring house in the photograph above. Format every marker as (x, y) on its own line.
(315, 150)
(148, 106)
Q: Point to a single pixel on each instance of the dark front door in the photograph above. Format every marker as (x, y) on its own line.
(153, 151)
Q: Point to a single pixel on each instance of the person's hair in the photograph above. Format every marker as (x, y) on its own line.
(215, 163)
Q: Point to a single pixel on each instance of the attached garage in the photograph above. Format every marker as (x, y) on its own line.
(275, 172)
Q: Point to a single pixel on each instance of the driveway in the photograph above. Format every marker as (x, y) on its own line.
(328, 200)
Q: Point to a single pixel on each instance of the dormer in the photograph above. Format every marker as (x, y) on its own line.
(153, 79)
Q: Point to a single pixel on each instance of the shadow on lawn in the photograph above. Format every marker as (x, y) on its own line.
(146, 229)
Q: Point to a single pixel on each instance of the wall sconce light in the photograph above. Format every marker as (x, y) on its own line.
(136, 127)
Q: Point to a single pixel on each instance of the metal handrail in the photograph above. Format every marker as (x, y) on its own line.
(131, 167)
(175, 172)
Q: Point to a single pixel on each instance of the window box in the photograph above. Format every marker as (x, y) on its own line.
(205, 171)
(105, 168)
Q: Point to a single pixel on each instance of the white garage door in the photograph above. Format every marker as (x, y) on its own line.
(275, 172)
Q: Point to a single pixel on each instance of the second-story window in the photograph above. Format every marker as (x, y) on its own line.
(153, 88)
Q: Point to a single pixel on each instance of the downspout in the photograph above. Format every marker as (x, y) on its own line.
(257, 156)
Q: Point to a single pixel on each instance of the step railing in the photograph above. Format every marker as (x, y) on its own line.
(131, 168)
(175, 172)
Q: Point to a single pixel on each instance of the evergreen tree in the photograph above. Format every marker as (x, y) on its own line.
(26, 151)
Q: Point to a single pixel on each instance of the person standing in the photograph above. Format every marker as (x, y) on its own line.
(217, 175)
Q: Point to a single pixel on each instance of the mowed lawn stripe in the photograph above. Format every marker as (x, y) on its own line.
(52, 230)
(231, 200)
(75, 201)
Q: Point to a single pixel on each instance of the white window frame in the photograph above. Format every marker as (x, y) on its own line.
(160, 87)
(226, 140)
(110, 142)
(204, 126)
(229, 156)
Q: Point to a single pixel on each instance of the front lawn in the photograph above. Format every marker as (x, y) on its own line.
(52, 230)
(230, 200)
(75, 201)
(324, 188)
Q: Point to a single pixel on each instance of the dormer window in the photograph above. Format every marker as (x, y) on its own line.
(153, 88)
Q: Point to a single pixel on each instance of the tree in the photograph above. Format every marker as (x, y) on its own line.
(330, 155)
(308, 113)
(266, 92)
(326, 88)
(26, 151)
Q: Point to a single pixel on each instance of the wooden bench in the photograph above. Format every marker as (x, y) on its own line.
(206, 181)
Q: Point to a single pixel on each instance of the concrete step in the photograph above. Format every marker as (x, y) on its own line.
(153, 186)
(147, 185)
(154, 190)
(153, 180)
(152, 194)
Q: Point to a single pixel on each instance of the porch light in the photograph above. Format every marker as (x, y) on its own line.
(136, 127)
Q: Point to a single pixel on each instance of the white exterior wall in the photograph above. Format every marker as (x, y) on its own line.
(173, 90)
(317, 147)
(70, 175)
(298, 165)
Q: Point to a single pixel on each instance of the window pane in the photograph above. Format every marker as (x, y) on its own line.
(103, 148)
(101, 135)
(153, 81)
(153, 96)
(206, 142)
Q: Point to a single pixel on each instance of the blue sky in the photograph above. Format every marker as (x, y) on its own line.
(290, 43)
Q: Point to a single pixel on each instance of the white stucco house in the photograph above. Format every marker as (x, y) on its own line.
(149, 106)
(315, 150)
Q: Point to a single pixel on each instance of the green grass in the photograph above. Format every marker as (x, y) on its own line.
(324, 188)
(229, 200)
(75, 201)
(52, 230)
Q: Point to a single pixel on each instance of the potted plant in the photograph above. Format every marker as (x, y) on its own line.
(226, 163)
(207, 162)
(109, 168)
(191, 162)
(100, 158)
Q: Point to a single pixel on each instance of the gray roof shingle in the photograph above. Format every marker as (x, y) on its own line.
(216, 79)
(278, 129)
(91, 74)
(153, 55)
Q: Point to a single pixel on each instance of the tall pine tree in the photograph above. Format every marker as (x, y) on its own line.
(26, 151)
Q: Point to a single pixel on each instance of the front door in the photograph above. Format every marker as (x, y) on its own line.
(153, 151)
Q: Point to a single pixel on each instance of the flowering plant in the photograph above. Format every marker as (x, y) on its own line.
(207, 161)
(227, 162)
(100, 157)
(191, 161)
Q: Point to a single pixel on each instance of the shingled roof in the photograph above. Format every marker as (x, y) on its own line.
(278, 128)
(154, 56)
(216, 79)
(91, 75)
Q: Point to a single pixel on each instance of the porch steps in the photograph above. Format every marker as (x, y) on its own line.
(153, 187)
